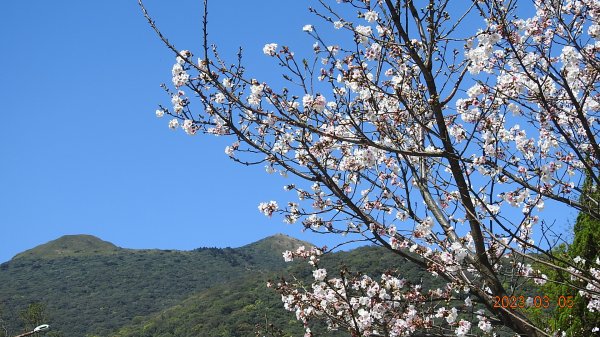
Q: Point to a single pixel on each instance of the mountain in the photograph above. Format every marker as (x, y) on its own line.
(70, 245)
(240, 307)
(265, 248)
(93, 288)
(278, 242)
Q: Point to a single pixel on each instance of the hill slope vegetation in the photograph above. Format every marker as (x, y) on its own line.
(93, 288)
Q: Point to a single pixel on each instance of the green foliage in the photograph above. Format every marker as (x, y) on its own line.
(576, 321)
(34, 315)
(31, 316)
(3, 325)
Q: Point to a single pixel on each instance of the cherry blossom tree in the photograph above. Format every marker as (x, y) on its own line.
(440, 130)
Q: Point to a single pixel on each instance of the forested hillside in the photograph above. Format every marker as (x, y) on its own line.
(93, 288)
(245, 306)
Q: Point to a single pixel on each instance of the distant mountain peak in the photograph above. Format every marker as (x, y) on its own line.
(70, 245)
(278, 243)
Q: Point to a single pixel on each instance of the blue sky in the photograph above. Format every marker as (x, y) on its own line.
(80, 148)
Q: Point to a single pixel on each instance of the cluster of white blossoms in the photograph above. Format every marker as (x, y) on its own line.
(219, 98)
(463, 328)
(480, 55)
(180, 76)
(484, 323)
(371, 16)
(423, 229)
(307, 28)
(592, 286)
(267, 208)
(270, 49)
(178, 101)
(526, 270)
(363, 33)
(256, 94)
(189, 127)
(360, 159)
(449, 315)
(570, 59)
(173, 124)
(316, 103)
(367, 305)
(312, 254)
(373, 52)
(319, 274)
(460, 252)
(283, 143)
(230, 150)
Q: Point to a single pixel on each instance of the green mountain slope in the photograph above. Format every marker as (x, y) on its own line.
(90, 286)
(93, 288)
(230, 309)
(240, 307)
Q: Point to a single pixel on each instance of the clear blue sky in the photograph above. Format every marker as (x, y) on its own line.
(80, 148)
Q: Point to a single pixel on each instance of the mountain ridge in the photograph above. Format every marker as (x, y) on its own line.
(82, 278)
(171, 293)
(86, 245)
(70, 245)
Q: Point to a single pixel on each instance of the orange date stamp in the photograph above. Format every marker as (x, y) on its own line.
(540, 301)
